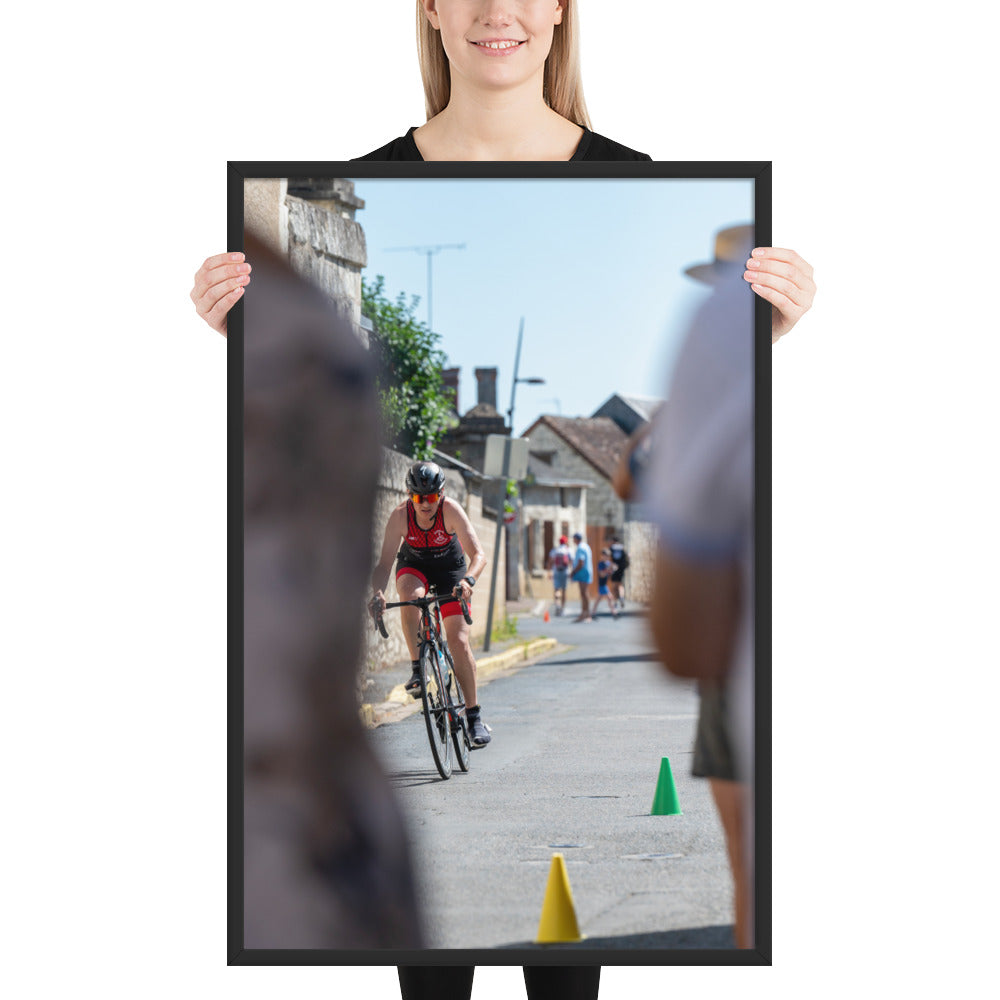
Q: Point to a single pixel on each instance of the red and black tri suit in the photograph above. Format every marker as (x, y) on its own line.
(434, 556)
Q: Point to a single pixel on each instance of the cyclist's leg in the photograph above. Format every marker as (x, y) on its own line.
(409, 585)
(562, 982)
(435, 982)
(457, 634)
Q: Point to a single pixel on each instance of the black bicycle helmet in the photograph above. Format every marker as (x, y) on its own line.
(424, 477)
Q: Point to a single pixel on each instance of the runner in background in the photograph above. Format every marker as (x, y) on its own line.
(560, 560)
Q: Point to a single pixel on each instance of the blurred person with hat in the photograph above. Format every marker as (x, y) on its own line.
(699, 488)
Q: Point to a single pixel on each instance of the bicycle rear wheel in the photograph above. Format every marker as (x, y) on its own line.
(459, 728)
(436, 709)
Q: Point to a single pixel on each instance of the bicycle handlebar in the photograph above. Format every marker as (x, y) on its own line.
(420, 602)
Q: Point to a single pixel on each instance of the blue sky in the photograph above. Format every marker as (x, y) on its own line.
(595, 268)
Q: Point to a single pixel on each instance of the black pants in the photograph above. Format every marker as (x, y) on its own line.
(543, 982)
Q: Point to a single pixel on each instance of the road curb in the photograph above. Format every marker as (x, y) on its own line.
(399, 704)
(525, 651)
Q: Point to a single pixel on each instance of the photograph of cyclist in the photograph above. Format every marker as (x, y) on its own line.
(430, 536)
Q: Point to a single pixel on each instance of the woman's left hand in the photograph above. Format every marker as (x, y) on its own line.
(784, 279)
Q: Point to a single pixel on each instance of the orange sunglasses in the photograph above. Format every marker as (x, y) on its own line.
(425, 497)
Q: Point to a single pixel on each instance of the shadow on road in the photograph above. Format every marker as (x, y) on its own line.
(413, 779)
(634, 658)
(719, 936)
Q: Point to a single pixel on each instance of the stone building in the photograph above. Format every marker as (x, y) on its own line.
(552, 504)
(587, 450)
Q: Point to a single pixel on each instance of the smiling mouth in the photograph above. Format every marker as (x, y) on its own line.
(499, 45)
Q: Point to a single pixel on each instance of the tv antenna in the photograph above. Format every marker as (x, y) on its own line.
(430, 252)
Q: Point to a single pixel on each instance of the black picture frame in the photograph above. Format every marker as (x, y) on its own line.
(759, 172)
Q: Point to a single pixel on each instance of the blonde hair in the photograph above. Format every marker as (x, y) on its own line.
(562, 89)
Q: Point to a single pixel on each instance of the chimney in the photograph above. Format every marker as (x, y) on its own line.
(486, 390)
(449, 376)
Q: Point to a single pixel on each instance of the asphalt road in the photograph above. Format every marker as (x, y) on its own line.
(572, 768)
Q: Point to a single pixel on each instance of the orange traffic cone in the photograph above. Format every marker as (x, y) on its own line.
(546, 614)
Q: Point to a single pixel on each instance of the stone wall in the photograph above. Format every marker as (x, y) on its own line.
(640, 540)
(312, 221)
(328, 249)
(379, 652)
(264, 212)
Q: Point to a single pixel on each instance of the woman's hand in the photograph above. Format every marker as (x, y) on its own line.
(218, 285)
(784, 279)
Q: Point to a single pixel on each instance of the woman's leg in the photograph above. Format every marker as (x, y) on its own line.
(436, 982)
(562, 982)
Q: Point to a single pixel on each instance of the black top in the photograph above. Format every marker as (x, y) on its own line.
(592, 147)
(431, 546)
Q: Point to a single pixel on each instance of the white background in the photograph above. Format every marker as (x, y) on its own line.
(119, 121)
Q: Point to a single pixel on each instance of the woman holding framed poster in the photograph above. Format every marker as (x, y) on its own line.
(502, 83)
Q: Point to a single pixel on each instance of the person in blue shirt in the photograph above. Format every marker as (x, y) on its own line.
(583, 574)
(605, 571)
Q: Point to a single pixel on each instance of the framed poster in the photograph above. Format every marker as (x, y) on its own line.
(577, 834)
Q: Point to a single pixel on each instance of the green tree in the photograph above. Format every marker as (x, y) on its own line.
(416, 406)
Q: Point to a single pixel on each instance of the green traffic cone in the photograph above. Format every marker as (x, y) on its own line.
(665, 800)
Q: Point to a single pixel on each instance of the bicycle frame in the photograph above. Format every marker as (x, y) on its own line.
(443, 714)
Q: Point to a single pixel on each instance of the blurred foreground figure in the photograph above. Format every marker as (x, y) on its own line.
(326, 862)
(699, 488)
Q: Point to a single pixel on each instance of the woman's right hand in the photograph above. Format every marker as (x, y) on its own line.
(218, 285)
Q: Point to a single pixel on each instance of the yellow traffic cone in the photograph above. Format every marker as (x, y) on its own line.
(558, 921)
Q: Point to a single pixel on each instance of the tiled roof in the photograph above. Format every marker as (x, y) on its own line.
(645, 406)
(597, 439)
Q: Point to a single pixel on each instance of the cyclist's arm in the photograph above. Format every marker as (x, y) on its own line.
(456, 520)
(395, 529)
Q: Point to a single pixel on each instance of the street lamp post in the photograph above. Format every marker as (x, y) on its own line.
(504, 473)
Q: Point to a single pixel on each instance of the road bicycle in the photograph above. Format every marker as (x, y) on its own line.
(444, 711)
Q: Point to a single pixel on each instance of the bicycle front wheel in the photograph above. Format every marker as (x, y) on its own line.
(459, 728)
(436, 714)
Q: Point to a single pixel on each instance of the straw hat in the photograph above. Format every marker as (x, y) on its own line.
(732, 248)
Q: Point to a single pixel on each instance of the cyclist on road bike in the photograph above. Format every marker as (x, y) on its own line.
(436, 535)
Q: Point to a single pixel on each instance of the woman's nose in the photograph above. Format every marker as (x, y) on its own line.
(495, 12)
